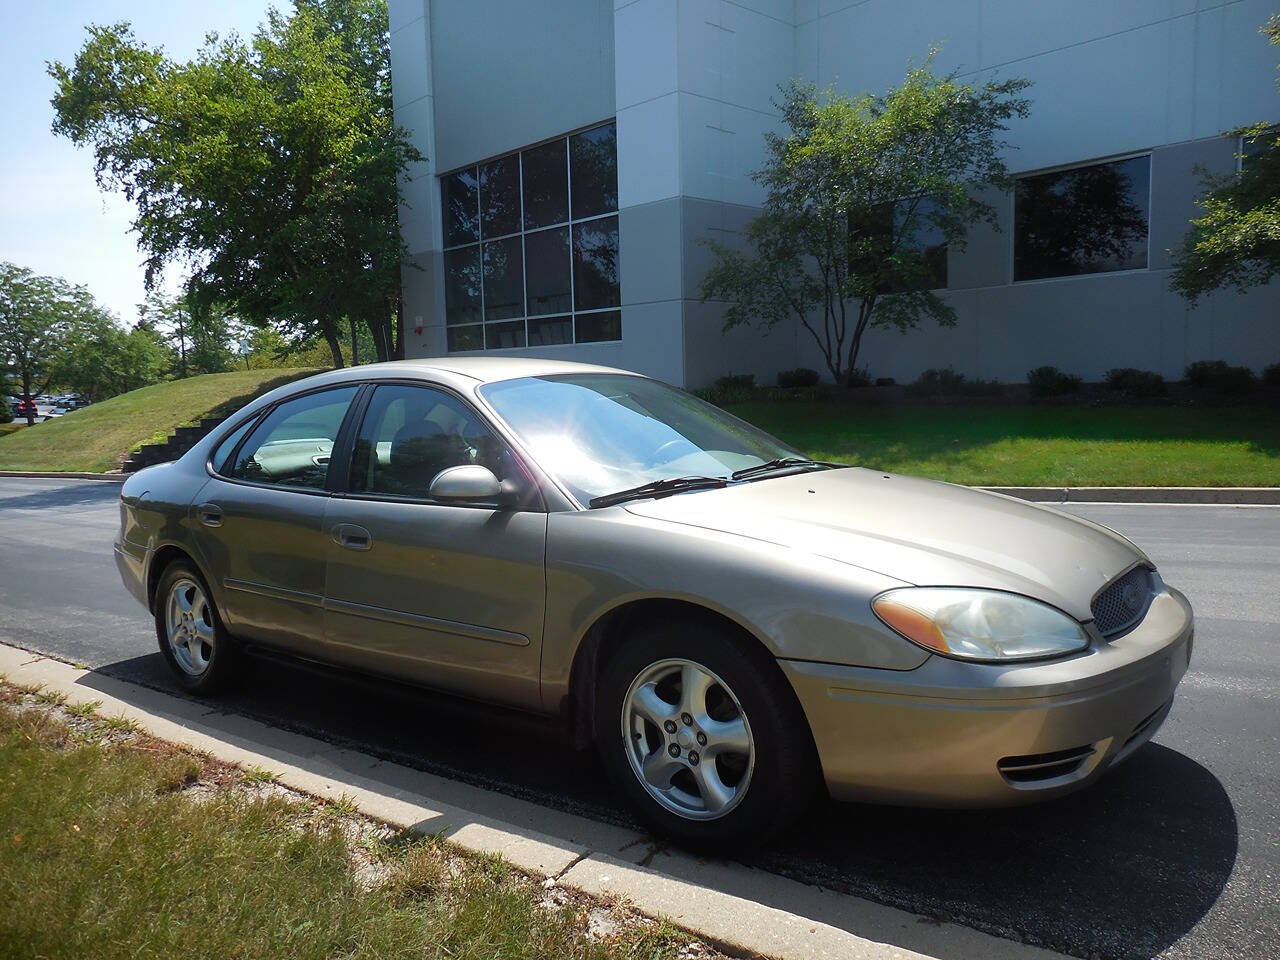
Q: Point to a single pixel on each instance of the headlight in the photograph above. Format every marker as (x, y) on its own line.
(979, 624)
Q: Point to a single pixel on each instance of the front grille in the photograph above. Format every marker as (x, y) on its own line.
(1035, 767)
(1123, 602)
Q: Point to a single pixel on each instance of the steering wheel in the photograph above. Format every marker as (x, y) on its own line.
(669, 445)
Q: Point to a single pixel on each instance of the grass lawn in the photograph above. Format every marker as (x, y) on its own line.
(116, 845)
(97, 438)
(1038, 445)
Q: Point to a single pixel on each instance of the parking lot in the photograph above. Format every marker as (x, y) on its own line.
(1174, 854)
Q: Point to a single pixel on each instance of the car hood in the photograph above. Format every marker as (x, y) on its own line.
(918, 531)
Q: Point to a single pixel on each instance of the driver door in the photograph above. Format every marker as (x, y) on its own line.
(442, 594)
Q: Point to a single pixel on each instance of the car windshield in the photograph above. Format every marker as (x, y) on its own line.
(599, 433)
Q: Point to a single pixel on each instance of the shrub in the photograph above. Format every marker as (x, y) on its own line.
(1137, 383)
(859, 377)
(1271, 375)
(799, 377)
(1051, 382)
(947, 383)
(1218, 376)
(736, 381)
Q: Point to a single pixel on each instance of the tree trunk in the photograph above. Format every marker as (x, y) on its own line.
(26, 396)
(182, 343)
(335, 349)
(355, 343)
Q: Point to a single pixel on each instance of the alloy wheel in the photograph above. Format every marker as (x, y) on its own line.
(189, 626)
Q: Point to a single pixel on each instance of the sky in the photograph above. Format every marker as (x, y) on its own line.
(53, 217)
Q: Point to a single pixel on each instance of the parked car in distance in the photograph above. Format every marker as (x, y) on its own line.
(731, 624)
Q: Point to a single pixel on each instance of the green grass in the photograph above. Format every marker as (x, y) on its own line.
(1038, 445)
(97, 438)
(104, 855)
(13, 427)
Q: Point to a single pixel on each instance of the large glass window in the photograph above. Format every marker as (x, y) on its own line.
(1090, 219)
(531, 243)
(410, 434)
(292, 445)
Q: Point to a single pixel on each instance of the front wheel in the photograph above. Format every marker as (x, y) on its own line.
(203, 658)
(700, 731)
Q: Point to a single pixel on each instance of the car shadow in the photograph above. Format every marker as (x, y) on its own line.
(70, 493)
(1124, 869)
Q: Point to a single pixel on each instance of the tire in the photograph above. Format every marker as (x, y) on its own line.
(718, 795)
(183, 597)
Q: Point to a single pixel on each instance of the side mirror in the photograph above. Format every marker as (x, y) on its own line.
(470, 483)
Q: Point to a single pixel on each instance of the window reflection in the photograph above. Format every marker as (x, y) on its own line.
(517, 251)
(1088, 219)
(595, 263)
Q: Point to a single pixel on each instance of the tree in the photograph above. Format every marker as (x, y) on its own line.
(852, 188)
(200, 333)
(269, 168)
(34, 314)
(99, 359)
(1237, 242)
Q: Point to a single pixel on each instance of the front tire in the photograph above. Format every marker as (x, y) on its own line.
(702, 734)
(193, 641)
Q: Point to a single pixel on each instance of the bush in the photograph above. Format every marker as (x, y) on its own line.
(1271, 375)
(947, 383)
(1217, 376)
(799, 377)
(859, 377)
(1136, 383)
(1051, 382)
(736, 381)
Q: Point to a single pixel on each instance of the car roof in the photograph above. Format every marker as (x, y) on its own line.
(481, 369)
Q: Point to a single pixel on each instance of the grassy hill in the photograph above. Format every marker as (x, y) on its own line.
(97, 438)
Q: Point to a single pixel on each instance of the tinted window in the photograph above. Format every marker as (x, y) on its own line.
(546, 185)
(593, 171)
(409, 434)
(292, 445)
(461, 210)
(595, 264)
(1084, 220)
(228, 444)
(500, 197)
(547, 277)
(553, 265)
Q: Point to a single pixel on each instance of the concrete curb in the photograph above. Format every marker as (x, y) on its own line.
(737, 908)
(46, 475)
(1219, 495)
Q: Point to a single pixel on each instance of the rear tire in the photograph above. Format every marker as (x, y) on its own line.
(702, 734)
(204, 659)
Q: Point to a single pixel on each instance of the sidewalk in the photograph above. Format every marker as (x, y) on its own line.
(741, 910)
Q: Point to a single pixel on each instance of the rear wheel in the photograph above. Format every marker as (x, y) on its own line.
(203, 658)
(702, 734)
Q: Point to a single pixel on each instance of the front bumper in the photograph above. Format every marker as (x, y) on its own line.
(951, 733)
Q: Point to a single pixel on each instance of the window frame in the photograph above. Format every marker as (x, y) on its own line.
(1149, 153)
(521, 232)
(532, 500)
(256, 419)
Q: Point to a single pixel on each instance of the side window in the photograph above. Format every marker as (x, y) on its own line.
(223, 450)
(410, 434)
(291, 446)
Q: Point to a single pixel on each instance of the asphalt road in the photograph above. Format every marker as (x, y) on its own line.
(1176, 853)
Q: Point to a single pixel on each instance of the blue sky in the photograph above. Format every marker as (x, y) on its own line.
(53, 217)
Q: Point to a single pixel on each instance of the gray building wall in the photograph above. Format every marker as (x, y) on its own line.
(691, 83)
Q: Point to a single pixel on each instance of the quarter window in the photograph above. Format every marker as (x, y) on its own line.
(410, 434)
(292, 445)
(1090, 219)
(531, 241)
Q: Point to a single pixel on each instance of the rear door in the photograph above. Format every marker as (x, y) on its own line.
(259, 521)
(446, 595)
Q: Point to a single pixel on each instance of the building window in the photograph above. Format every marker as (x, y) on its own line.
(531, 246)
(1089, 219)
(921, 262)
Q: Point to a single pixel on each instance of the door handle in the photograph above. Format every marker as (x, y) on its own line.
(352, 536)
(210, 514)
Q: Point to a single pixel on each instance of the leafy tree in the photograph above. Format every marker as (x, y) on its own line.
(200, 333)
(853, 186)
(99, 359)
(1237, 241)
(34, 314)
(269, 168)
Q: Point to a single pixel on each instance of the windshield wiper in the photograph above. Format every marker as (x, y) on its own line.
(781, 463)
(669, 485)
